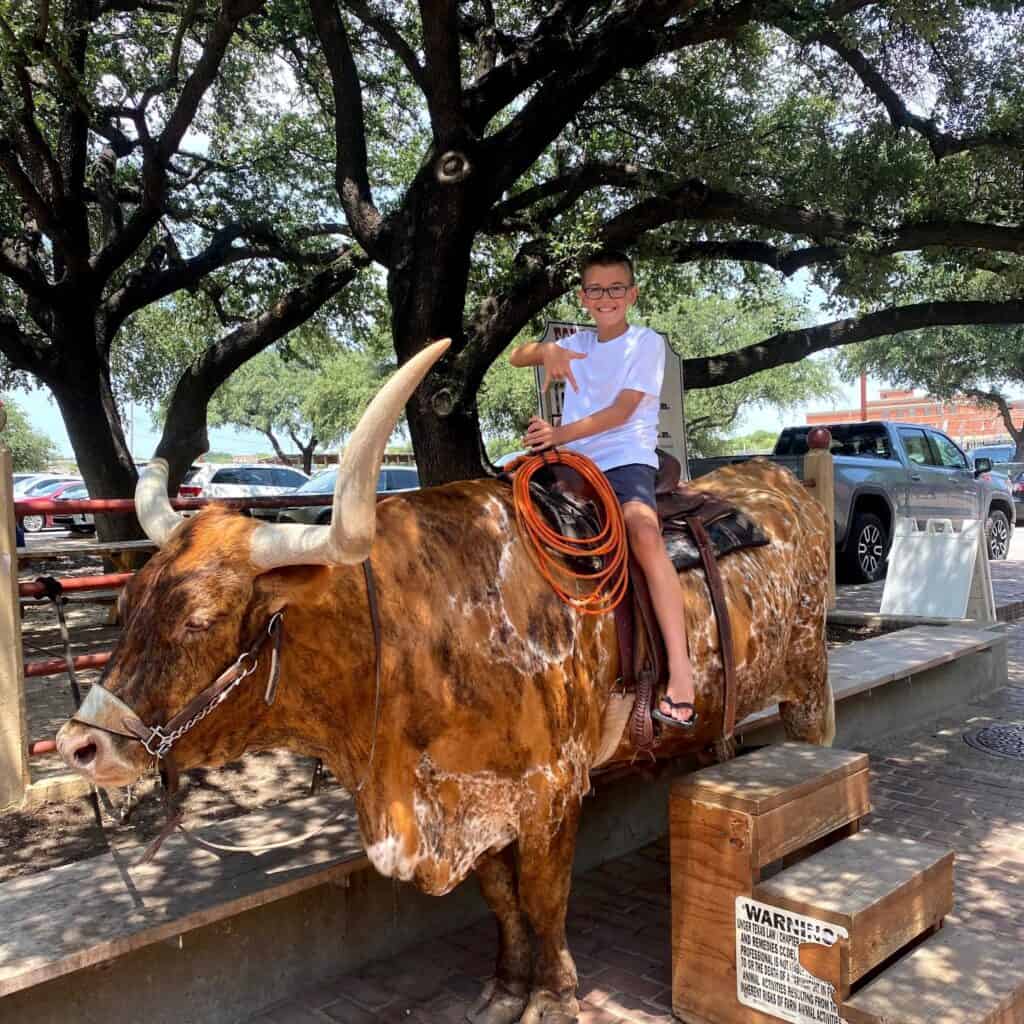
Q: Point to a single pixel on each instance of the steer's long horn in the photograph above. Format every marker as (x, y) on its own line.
(152, 505)
(349, 537)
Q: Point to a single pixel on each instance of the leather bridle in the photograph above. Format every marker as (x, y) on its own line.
(102, 710)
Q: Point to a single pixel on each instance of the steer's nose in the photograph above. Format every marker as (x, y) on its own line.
(93, 754)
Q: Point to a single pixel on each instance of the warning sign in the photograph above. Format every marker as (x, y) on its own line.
(769, 975)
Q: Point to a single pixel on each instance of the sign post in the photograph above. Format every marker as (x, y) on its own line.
(14, 777)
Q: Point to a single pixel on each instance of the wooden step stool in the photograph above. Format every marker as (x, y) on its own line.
(727, 824)
(753, 944)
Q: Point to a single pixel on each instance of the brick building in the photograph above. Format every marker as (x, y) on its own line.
(966, 422)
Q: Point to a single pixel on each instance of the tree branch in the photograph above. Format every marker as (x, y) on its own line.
(17, 264)
(942, 143)
(351, 176)
(392, 37)
(792, 346)
(187, 408)
(26, 350)
(554, 40)
(38, 151)
(157, 156)
(573, 184)
(272, 437)
(43, 213)
(630, 36)
(786, 261)
(156, 281)
(127, 6)
(1006, 414)
(440, 20)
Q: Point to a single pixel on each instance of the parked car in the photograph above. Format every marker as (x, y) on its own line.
(1017, 487)
(34, 484)
(258, 480)
(50, 488)
(884, 470)
(503, 460)
(392, 479)
(76, 522)
(996, 453)
(19, 479)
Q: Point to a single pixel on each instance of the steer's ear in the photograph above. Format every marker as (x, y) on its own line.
(273, 591)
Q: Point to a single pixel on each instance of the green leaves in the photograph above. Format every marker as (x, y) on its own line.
(30, 448)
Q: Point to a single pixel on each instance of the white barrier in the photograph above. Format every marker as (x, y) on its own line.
(939, 572)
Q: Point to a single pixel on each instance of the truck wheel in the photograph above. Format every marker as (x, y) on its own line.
(867, 549)
(997, 533)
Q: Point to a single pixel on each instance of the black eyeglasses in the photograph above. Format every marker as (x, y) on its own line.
(613, 291)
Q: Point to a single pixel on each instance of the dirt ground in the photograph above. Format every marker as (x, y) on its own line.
(60, 833)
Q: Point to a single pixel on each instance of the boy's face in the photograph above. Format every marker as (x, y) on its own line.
(608, 310)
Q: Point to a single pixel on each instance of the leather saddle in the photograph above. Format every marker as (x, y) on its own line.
(697, 529)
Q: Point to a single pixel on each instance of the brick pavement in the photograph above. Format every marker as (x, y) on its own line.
(926, 783)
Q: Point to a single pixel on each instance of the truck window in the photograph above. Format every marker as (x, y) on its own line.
(861, 439)
(916, 445)
(949, 455)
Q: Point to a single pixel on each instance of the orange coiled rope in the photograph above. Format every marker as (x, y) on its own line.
(609, 583)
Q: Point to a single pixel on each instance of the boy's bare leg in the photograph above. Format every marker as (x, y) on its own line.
(667, 596)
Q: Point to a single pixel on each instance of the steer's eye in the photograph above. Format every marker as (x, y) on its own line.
(195, 623)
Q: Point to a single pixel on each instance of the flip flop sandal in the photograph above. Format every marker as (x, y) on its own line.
(676, 723)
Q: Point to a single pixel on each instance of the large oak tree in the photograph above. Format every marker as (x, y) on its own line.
(472, 153)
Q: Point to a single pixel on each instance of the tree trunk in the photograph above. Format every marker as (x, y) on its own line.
(93, 424)
(184, 436)
(278, 450)
(307, 454)
(430, 261)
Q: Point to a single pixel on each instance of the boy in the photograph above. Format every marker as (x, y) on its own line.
(610, 414)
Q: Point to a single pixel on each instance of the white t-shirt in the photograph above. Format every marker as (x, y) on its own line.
(635, 361)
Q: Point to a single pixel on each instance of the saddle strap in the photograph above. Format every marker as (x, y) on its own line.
(718, 603)
(648, 664)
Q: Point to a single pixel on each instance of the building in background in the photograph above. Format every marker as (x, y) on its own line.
(965, 421)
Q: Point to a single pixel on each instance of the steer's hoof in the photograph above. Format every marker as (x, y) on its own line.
(498, 1004)
(549, 1008)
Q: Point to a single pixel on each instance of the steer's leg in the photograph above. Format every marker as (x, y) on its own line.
(504, 997)
(809, 713)
(545, 874)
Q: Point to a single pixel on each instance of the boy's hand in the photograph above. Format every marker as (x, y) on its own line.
(558, 366)
(540, 435)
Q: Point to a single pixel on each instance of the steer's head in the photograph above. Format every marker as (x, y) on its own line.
(205, 596)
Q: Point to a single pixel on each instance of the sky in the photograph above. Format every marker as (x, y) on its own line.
(43, 414)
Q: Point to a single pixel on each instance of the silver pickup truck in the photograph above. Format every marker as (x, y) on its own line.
(884, 470)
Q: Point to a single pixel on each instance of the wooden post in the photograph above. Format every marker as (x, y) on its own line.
(819, 475)
(14, 777)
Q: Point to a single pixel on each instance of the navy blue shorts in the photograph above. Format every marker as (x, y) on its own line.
(634, 482)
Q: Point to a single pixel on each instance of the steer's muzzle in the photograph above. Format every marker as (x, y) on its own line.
(99, 756)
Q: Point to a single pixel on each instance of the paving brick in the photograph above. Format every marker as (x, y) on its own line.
(347, 1012)
(624, 981)
(290, 1012)
(365, 991)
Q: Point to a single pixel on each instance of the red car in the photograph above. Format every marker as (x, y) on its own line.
(36, 521)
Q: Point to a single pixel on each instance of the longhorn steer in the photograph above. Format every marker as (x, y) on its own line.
(493, 691)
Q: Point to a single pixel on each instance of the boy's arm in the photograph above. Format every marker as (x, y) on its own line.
(530, 354)
(556, 360)
(541, 434)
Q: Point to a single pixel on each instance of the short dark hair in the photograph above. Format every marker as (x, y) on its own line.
(607, 258)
